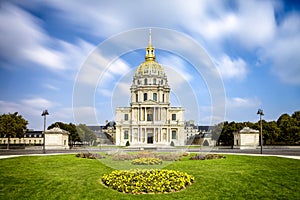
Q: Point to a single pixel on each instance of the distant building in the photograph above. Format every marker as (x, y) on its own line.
(246, 138)
(198, 135)
(55, 138)
(105, 134)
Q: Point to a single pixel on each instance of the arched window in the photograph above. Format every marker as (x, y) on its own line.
(145, 96)
(154, 96)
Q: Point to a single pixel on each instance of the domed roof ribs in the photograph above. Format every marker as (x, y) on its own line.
(150, 53)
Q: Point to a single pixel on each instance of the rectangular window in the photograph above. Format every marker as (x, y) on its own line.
(154, 96)
(149, 117)
(126, 135)
(173, 134)
(173, 117)
(126, 117)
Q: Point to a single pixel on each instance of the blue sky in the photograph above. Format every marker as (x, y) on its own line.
(46, 46)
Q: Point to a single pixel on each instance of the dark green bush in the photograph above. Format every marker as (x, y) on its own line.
(89, 156)
(207, 157)
(127, 143)
(172, 144)
(205, 143)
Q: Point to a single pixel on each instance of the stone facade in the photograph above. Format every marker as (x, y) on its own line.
(246, 138)
(56, 138)
(150, 120)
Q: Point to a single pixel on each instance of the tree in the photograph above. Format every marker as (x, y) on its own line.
(71, 128)
(216, 132)
(86, 134)
(12, 125)
(289, 128)
(226, 137)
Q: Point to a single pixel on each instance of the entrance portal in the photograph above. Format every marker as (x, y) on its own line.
(150, 138)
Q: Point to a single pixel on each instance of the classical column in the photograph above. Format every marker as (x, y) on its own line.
(139, 134)
(154, 137)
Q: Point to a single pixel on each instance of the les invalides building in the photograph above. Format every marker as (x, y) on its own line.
(150, 120)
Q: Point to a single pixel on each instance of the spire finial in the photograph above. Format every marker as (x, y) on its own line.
(150, 55)
(150, 37)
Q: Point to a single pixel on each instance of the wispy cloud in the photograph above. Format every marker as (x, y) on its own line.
(232, 68)
(31, 109)
(51, 87)
(23, 37)
(239, 102)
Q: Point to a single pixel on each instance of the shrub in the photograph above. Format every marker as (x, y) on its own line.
(146, 161)
(169, 157)
(205, 143)
(145, 154)
(140, 181)
(89, 156)
(172, 144)
(206, 157)
(127, 143)
(123, 156)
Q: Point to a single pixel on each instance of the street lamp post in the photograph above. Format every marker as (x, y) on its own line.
(260, 113)
(44, 114)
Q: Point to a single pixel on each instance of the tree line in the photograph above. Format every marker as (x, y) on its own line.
(13, 125)
(284, 131)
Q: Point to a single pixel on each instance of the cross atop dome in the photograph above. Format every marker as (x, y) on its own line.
(150, 51)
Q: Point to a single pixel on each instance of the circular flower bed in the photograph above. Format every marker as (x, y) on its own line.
(141, 181)
(147, 161)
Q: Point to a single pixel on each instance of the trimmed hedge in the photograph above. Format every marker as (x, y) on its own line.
(206, 157)
(147, 161)
(146, 154)
(140, 181)
(89, 156)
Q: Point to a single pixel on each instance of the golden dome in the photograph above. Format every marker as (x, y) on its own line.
(150, 67)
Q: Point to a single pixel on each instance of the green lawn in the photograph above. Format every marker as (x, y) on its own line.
(68, 177)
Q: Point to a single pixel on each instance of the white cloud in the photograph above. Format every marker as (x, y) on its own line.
(284, 51)
(170, 63)
(38, 102)
(256, 24)
(239, 102)
(31, 109)
(229, 68)
(51, 87)
(22, 37)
